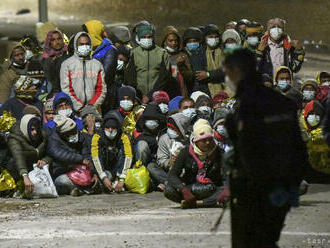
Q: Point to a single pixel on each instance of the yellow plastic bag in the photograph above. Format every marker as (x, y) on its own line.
(7, 182)
(138, 179)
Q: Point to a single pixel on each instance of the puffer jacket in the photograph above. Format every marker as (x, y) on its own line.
(65, 154)
(148, 70)
(83, 79)
(23, 152)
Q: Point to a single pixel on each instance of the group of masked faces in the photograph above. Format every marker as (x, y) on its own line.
(172, 43)
(284, 81)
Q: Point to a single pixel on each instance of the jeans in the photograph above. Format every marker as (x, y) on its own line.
(64, 185)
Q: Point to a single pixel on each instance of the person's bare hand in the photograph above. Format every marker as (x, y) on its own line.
(95, 180)
(107, 183)
(201, 75)
(29, 186)
(172, 160)
(296, 44)
(262, 45)
(119, 187)
(90, 119)
(87, 162)
(41, 163)
(145, 100)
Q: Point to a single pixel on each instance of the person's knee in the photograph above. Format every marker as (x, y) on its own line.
(142, 151)
(172, 194)
(63, 184)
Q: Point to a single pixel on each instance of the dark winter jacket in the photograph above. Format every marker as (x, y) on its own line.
(185, 164)
(65, 154)
(23, 152)
(16, 106)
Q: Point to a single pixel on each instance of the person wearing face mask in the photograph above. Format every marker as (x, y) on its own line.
(68, 147)
(162, 99)
(126, 98)
(187, 107)
(151, 123)
(319, 151)
(322, 92)
(27, 144)
(230, 39)
(204, 107)
(308, 90)
(15, 66)
(220, 132)
(92, 120)
(323, 78)
(182, 80)
(25, 95)
(269, 159)
(254, 32)
(211, 79)
(62, 105)
(123, 58)
(104, 51)
(277, 49)
(195, 178)
(148, 69)
(283, 82)
(169, 146)
(82, 77)
(219, 99)
(112, 155)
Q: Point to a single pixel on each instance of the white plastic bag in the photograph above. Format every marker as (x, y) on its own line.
(43, 184)
(176, 148)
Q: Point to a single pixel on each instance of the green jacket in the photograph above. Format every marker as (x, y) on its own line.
(148, 70)
(23, 153)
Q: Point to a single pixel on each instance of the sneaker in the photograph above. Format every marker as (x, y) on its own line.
(303, 188)
(76, 192)
(161, 187)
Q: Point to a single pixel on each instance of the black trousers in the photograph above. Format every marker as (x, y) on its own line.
(255, 222)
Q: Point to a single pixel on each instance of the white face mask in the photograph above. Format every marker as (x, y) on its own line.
(28, 54)
(283, 84)
(146, 43)
(326, 83)
(120, 65)
(308, 95)
(65, 112)
(189, 112)
(205, 109)
(222, 130)
(74, 138)
(313, 120)
(231, 45)
(111, 135)
(151, 124)
(84, 50)
(173, 134)
(276, 33)
(163, 107)
(212, 42)
(170, 49)
(127, 105)
(252, 40)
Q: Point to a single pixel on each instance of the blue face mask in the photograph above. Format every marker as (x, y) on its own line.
(192, 46)
(283, 84)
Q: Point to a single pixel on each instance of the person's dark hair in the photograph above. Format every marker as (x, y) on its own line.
(185, 100)
(283, 70)
(84, 35)
(244, 59)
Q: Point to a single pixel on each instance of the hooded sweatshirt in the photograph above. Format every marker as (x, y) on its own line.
(82, 78)
(165, 143)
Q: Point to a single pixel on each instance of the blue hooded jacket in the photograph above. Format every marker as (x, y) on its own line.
(106, 53)
(51, 124)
